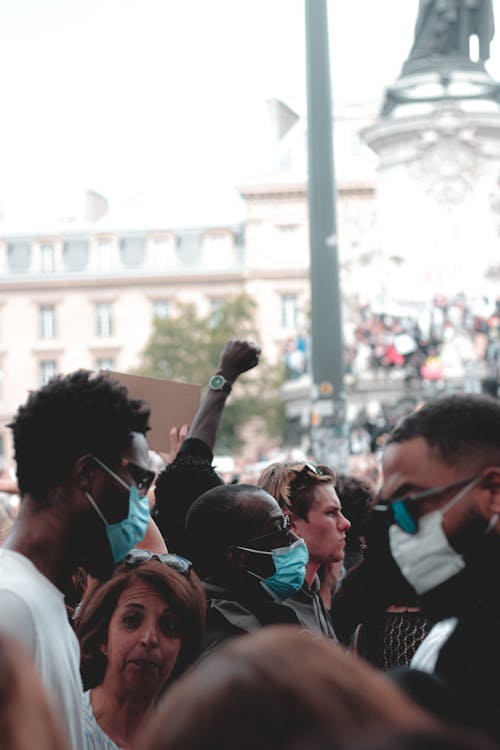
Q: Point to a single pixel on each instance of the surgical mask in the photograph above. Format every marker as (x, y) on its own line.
(426, 558)
(125, 534)
(290, 563)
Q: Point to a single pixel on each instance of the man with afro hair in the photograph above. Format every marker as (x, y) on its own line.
(83, 473)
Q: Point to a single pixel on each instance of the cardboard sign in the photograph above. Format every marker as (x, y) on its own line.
(172, 404)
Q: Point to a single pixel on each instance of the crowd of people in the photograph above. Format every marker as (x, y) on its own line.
(424, 344)
(311, 610)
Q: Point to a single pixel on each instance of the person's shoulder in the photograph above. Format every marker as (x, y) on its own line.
(19, 574)
(195, 448)
(17, 617)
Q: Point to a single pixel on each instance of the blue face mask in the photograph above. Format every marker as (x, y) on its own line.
(125, 534)
(290, 563)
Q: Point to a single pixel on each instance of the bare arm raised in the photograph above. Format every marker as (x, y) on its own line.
(237, 357)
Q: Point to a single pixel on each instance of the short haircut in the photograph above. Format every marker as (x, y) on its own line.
(357, 496)
(222, 517)
(459, 427)
(70, 416)
(184, 594)
(293, 485)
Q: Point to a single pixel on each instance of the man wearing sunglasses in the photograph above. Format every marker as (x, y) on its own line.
(250, 561)
(441, 494)
(83, 474)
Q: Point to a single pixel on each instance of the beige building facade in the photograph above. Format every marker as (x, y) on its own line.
(85, 294)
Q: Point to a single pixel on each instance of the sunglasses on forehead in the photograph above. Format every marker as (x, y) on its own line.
(176, 562)
(308, 468)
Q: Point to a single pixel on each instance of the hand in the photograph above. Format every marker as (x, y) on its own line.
(177, 437)
(238, 357)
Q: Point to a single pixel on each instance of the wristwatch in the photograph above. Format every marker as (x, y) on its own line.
(219, 383)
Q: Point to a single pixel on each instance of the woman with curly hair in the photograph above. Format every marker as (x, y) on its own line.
(137, 631)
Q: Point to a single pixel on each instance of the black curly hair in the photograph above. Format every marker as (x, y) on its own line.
(176, 489)
(459, 427)
(72, 415)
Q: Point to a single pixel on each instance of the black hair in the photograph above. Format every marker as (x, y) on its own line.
(458, 426)
(356, 496)
(72, 415)
(223, 516)
(177, 487)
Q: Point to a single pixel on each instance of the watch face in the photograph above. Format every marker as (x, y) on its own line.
(217, 382)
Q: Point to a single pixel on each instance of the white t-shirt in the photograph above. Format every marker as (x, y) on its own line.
(32, 611)
(95, 738)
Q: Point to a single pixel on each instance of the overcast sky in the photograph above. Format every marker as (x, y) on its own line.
(132, 97)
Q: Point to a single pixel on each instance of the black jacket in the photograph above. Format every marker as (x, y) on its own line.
(232, 612)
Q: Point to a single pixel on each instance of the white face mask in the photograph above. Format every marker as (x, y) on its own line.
(426, 559)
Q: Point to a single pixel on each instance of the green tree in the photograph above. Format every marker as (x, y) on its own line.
(187, 347)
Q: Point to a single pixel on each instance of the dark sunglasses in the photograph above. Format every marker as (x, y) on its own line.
(284, 531)
(143, 478)
(404, 510)
(176, 562)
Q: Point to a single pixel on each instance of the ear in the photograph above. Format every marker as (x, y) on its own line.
(104, 648)
(491, 483)
(83, 471)
(293, 521)
(235, 557)
(297, 524)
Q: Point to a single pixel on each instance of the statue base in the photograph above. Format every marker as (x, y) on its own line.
(438, 198)
(442, 83)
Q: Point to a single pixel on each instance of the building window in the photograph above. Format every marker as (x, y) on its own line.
(47, 319)
(161, 309)
(46, 370)
(47, 259)
(19, 255)
(288, 230)
(289, 311)
(132, 251)
(216, 309)
(76, 254)
(104, 319)
(105, 363)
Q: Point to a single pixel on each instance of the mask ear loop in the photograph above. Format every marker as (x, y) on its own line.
(493, 522)
(461, 494)
(96, 507)
(111, 472)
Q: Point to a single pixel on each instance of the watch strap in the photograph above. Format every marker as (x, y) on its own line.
(219, 383)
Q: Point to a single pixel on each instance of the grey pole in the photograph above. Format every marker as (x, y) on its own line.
(328, 422)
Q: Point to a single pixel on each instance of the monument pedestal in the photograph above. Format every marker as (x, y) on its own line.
(438, 143)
